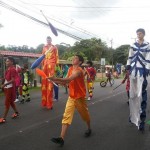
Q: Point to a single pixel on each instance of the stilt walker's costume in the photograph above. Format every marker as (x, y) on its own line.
(48, 66)
(139, 66)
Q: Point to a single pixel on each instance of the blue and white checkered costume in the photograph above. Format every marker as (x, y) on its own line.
(139, 62)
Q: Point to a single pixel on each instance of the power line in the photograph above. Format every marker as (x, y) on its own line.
(72, 27)
(88, 7)
(36, 20)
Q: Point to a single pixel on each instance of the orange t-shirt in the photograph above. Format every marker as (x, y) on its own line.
(77, 87)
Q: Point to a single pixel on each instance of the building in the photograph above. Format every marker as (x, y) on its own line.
(22, 58)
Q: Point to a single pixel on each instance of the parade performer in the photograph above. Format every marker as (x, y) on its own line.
(48, 66)
(139, 65)
(18, 82)
(9, 89)
(108, 75)
(25, 84)
(90, 73)
(76, 99)
(58, 74)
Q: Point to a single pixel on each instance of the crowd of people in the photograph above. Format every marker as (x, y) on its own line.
(73, 79)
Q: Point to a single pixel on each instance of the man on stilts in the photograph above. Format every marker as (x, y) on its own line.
(48, 66)
(139, 66)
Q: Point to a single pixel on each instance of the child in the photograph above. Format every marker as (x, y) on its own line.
(76, 99)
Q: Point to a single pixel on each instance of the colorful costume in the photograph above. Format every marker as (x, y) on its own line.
(48, 66)
(139, 65)
(77, 93)
(91, 73)
(25, 86)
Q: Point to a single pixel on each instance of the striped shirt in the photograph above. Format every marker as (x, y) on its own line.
(139, 57)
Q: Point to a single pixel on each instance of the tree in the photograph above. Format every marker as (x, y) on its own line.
(121, 54)
(2, 47)
(92, 48)
(62, 49)
(39, 48)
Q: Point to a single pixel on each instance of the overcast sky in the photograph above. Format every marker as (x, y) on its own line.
(109, 19)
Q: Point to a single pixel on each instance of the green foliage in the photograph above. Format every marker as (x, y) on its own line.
(121, 54)
(2, 47)
(39, 48)
(62, 50)
(91, 49)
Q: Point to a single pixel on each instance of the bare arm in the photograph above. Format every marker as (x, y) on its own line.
(66, 80)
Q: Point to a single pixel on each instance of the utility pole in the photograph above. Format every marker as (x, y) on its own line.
(111, 43)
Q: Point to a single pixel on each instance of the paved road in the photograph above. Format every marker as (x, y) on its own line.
(109, 116)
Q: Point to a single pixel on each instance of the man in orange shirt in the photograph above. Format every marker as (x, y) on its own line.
(48, 66)
(76, 99)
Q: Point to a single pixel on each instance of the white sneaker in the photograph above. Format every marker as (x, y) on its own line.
(17, 100)
(89, 98)
(55, 100)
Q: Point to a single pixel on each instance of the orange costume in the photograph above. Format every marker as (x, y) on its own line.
(48, 66)
(76, 99)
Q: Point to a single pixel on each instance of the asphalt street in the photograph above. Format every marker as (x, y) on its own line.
(109, 119)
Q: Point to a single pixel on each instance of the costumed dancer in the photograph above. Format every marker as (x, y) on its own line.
(25, 84)
(48, 66)
(90, 73)
(139, 65)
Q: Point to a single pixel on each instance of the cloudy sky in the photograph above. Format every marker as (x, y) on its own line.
(115, 20)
